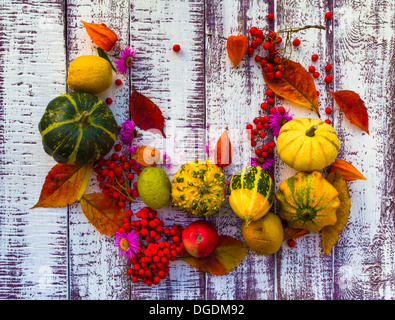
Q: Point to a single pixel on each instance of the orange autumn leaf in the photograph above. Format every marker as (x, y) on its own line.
(349, 172)
(223, 150)
(64, 185)
(146, 156)
(227, 255)
(101, 35)
(296, 85)
(103, 212)
(237, 48)
(353, 107)
(293, 233)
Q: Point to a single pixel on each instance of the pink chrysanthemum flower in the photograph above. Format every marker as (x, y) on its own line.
(131, 149)
(125, 61)
(128, 244)
(127, 132)
(277, 120)
(265, 163)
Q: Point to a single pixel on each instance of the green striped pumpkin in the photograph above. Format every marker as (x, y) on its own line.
(251, 193)
(77, 128)
(308, 201)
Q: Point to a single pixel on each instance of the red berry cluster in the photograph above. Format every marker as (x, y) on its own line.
(272, 64)
(116, 174)
(160, 246)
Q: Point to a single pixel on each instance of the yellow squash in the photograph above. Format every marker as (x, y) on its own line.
(308, 201)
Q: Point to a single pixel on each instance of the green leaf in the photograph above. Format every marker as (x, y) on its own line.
(104, 55)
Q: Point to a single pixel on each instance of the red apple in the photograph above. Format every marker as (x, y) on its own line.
(200, 238)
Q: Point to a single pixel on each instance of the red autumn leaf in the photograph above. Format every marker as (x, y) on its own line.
(145, 113)
(226, 256)
(296, 85)
(237, 48)
(223, 150)
(353, 107)
(103, 212)
(348, 171)
(64, 185)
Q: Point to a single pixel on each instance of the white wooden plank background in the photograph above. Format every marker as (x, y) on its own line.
(57, 254)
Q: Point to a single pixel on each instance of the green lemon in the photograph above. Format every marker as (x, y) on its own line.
(264, 236)
(154, 186)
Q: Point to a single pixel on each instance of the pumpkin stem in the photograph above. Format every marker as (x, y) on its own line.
(311, 132)
(203, 189)
(307, 215)
(83, 120)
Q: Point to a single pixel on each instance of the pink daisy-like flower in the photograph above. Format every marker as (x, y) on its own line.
(166, 161)
(128, 244)
(128, 132)
(125, 61)
(277, 120)
(265, 163)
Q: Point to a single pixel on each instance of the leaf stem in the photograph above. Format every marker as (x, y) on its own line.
(242, 21)
(127, 193)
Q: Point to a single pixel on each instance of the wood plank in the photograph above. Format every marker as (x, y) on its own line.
(175, 82)
(57, 254)
(304, 273)
(96, 269)
(233, 98)
(33, 244)
(364, 57)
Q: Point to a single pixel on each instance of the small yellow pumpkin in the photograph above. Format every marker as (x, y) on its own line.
(307, 144)
(308, 201)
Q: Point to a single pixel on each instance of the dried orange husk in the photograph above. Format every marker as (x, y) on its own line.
(101, 35)
(146, 156)
(237, 48)
(223, 150)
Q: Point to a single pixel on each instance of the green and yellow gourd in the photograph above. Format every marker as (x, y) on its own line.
(307, 144)
(199, 188)
(308, 201)
(77, 128)
(251, 193)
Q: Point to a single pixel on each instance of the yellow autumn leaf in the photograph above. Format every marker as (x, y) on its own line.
(102, 212)
(330, 234)
(64, 185)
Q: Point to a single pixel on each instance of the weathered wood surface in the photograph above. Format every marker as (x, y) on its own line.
(58, 254)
